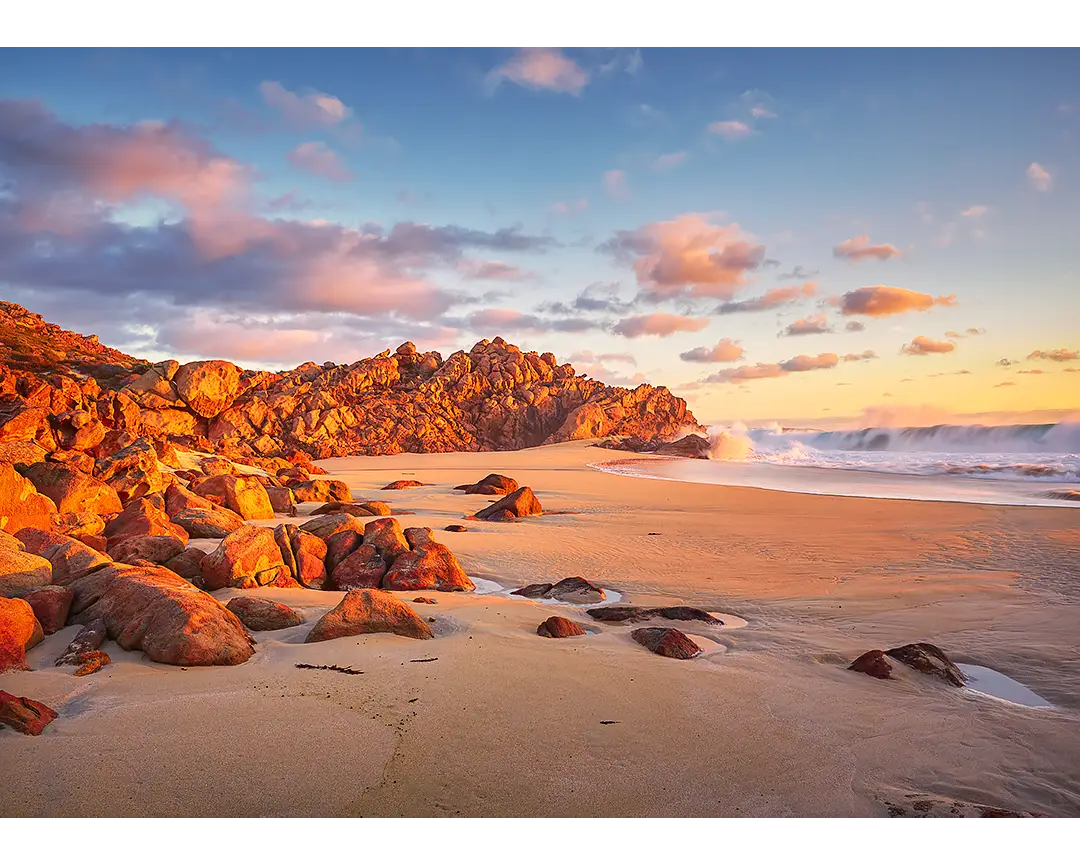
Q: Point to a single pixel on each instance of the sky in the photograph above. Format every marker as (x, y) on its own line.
(772, 234)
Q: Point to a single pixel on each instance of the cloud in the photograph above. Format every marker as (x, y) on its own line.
(1039, 177)
(594, 366)
(809, 326)
(615, 184)
(1071, 369)
(289, 202)
(310, 109)
(1057, 355)
(1006, 384)
(800, 363)
(724, 351)
(923, 345)
(860, 249)
(1031, 372)
(565, 208)
(511, 320)
(596, 297)
(879, 301)
(975, 211)
(658, 324)
(949, 374)
(540, 69)
(667, 161)
(771, 299)
(687, 257)
(799, 273)
(316, 158)
(476, 270)
(854, 326)
(730, 130)
(970, 331)
(630, 62)
(860, 357)
(1005, 361)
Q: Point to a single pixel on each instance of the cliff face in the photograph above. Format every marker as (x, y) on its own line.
(493, 397)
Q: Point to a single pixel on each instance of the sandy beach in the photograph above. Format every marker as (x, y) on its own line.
(500, 722)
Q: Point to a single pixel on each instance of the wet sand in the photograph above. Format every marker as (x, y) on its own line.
(505, 723)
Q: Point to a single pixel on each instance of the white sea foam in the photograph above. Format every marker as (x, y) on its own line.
(990, 682)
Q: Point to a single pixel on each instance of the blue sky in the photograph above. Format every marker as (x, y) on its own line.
(801, 150)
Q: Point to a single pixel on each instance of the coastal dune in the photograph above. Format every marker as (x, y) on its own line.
(488, 719)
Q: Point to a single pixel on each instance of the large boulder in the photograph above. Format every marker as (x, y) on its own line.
(320, 490)
(73, 491)
(51, 605)
(188, 565)
(519, 503)
(20, 571)
(258, 613)
(369, 611)
(386, 536)
(493, 484)
(574, 589)
(142, 518)
(247, 558)
(667, 642)
(428, 566)
(242, 494)
(21, 505)
(340, 546)
(304, 554)
(199, 516)
(281, 500)
(363, 568)
(69, 557)
(207, 387)
(325, 527)
(132, 471)
(24, 715)
(363, 509)
(930, 660)
(17, 628)
(170, 620)
(156, 550)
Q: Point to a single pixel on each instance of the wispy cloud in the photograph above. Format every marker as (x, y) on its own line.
(565, 208)
(667, 161)
(307, 109)
(975, 211)
(730, 130)
(540, 69)
(315, 157)
(800, 363)
(1057, 355)
(616, 184)
(658, 324)
(861, 249)
(774, 298)
(809, 326)
(725, 351)
(1039, 177)
(923, 345)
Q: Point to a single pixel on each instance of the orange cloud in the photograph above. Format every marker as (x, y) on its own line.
(879, 301)
(730, 130)
(541, 69)
(922, 345)
(724, 351)
(809, 326)
(658, 324)
(771, 299)
(800, 363)
(315, 157)
(1058, 355)
(311, 109)
(859, 249)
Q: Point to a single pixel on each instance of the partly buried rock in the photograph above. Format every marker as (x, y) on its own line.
(87, 641)
(403, 484)
(70, 557)
(170, 620)
(688, 447)
(872, 663)
(517, 504)
(20, 571)
(428, 566)
(362, 568)
(142, 518)
(320, 490)
(667, 642)
(247, 558)
(369, 611)
(73, 491)
(493, 484)
(557, 627)
(534, 591)
(456, 529)
(21, 505)
(188, 565)
(90, 662)
(502, 516)
(574, 589)
(51, 605)
(644, 613)
(156, 550)
(24, 715)
(257, 613)
(243, 495)
(17, 629)
(929, 659)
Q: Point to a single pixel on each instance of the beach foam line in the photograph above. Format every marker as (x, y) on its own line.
(990, 682)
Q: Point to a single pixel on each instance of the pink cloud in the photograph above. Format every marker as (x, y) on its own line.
(1058, 355)
(809, 326)
(730, 130)
(724, 351)
(923, 345)
(879, 301)
(315, 157)
(771, 299)
(667, 161)
(658, 324)
(800, 363)
(860, 249)
(565, 208)
(615, 184)
(1039, 177)
(310, 109)
(541, 69)
(479, 270)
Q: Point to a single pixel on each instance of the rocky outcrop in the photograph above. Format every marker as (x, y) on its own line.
(72, 490)
(132, 471)
(370, 611)
(25, 715)
(21, 505)
(518, 504)
(930, 660)
(428, 566)
(557, 627)
(304, 554)
(247, 558)
(258, 613)
(17, 629)
(667, 642)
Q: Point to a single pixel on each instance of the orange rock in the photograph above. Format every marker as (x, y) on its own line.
(132, 471)
(369, 611)
(243, 495)
(17, 625)
(140, 518)
(51, 604)
(69, 557)
(24, 715)
(247, 558)
(258, 613)
(518, 504)
(208, 387)
(73, 491)
(22, 506)
(557, 627)
(430, 566)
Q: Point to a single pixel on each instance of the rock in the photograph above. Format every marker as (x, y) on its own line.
(76, 524)
(376, 508)
(688, 447)
(456, 529)
(73, 491)
(493, 484)
(22, 572)
(576, 590)
(872, 663)
(156, 550)
(72, 459)
(214, 465)
(355, 508)
(208, 387)
(369, 611)
(340, 546)
(403, 484)
(89, 638)
(644, 613)
(24, 715)
(17, 626)
(363, 568)
(321, 490)
(199, 516)
(305, 555)
(502, 516)
(247, 558)
(21, 505)
(418, 538)
(90, 662)
(427, 567)
(281, 500)
(386, 535)
(557, 627)
(431, 601)
(243, 495)
(188, 565)
(519, 503)
(132, 472)
(534, 591)
(70, 557)
(171, 621)
(257, 613)
(325, 527)
(141, 518)
(667, 642)
(929, 659)
(51, 605)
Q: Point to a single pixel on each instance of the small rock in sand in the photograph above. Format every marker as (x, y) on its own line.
(667, 642)
(403, 484)
(643, 613)
(24, 715)
(929, 659)
(557, 627)
(90, 662)
(86, 641)
(872, 663)
(429, 600)
(456, 529)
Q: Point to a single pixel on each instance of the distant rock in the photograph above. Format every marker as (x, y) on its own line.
(930, 660)
(557, 627)
(687, 447)
(872, 663)
(258, 613)
(208, 387)
(370, 611)
(362, 509)
(644, 613)
(534, 591)
(667, 642)
(403, 484)
(25, 715)
(519, 503)
(456, 529)
(493, 484)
